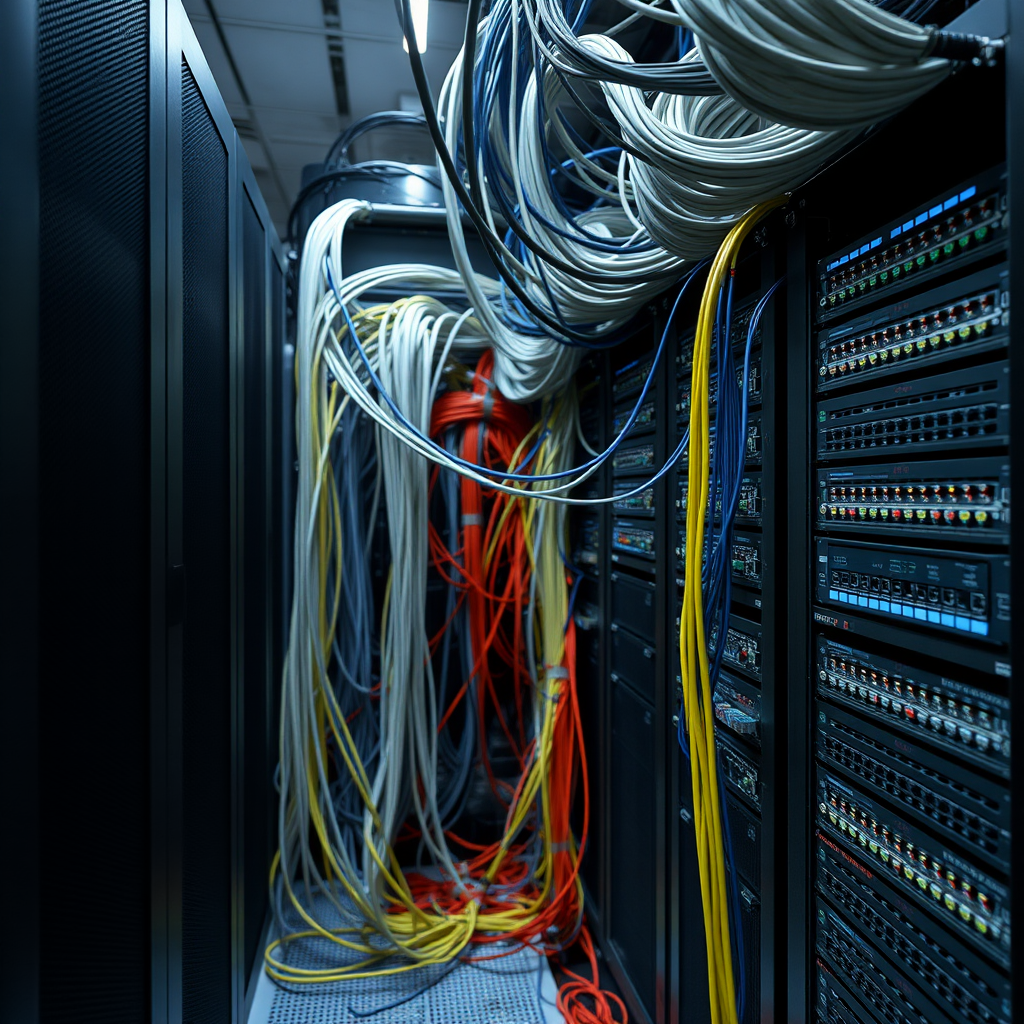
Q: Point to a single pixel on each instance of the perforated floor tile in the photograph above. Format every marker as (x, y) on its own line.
(517, 989)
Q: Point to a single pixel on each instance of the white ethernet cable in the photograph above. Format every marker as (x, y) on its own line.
(817, 64)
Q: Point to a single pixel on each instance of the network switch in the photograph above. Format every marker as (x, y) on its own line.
(968, 499)
(633, 502)
(952, 888)
(630, 378)
(632, 539)
(632, 459)
(749, 508)
(969, 316)
(587, 553)
(960, 720)
(955, 803)
(956, 411)
(880, 986)
(739, 772)
(961, 594)
(955, 228)
(966, 986)
(646, 418)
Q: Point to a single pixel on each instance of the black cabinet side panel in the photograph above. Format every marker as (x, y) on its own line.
(94, 511)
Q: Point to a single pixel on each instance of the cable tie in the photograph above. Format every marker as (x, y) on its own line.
(472, 519)
(556, 672)
(488, 404)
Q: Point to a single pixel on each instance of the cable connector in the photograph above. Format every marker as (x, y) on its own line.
(977, 50)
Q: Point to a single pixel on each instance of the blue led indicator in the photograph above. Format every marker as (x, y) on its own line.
(947, 619)
(920, 219)
(950, 202)
(895, 232)
(964, 623)
(833, 595)
(876, 243)
(909, 224)
(854, 254)
(844, 259)
(872, 602)
(833, 265)
(935, 211)
(967, 193)
(919, 613)
(864, 248)
(862, 601)
(933, 616)
(979, 627)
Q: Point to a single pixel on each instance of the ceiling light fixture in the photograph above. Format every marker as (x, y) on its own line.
(420, 13)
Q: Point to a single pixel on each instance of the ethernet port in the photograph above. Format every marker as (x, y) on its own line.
(844, 578)
(933, 595)
(876, 584)
(886, 585)
(854, 579)
(897, 588)
(961, 600)
(834, 578)
(978, 603)
(948, 597)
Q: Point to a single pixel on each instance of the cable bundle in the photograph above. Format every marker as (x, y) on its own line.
(814, 63)
(378, 746)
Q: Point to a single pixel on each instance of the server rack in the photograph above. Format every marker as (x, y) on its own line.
(900, 880)
(149, 378)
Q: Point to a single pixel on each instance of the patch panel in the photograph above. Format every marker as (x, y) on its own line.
(641, 504)
(754, 386)
(958, 719)
(953, 889)
(962, 983)
(646, 418)
(738, 707)
(739, 772)
(630, 378)
(954, 593)
(638, 458)
(749, 509)
(954, 228)
(879, 984)
(954, 802)
(968, 499)
(969, 316)
(953, 411)
(633, 539)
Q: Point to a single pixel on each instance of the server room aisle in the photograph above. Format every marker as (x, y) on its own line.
(514, 527)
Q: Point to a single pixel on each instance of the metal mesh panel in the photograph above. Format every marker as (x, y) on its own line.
(94, 501)
(516, 989)
(206, 698)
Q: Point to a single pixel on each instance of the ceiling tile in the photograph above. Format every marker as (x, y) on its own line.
(308, 13)
(283, 69)
(206, 34)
